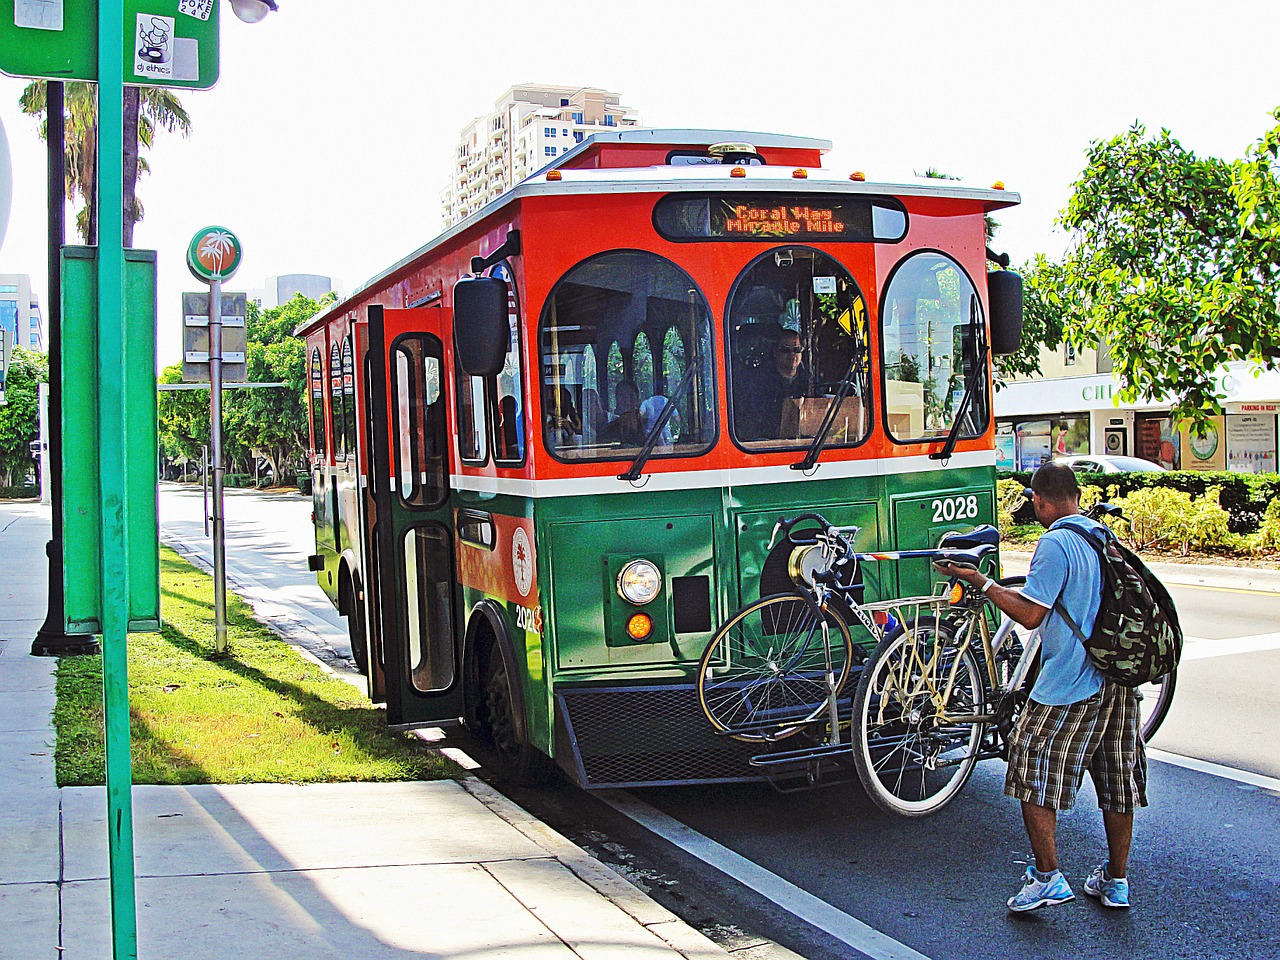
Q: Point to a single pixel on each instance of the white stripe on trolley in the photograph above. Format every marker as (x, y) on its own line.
(801, 903)
(711, 479)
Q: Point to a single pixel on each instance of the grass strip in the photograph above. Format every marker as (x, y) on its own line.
(262, 714)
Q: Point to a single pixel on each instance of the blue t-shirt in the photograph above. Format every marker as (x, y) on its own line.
(1065, 570)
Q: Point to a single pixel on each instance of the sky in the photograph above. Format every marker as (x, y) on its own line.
(328, 139)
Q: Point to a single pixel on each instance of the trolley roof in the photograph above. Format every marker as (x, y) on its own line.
(574, 179)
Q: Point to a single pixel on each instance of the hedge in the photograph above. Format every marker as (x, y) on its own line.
(1244, 495)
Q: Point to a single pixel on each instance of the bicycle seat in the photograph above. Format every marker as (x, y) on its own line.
(985, 535)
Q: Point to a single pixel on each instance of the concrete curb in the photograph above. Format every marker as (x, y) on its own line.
(1185, 574)
(664, 924)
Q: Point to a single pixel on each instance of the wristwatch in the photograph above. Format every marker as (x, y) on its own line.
(986, 587)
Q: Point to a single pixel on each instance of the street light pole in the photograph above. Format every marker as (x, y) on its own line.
(51, 639)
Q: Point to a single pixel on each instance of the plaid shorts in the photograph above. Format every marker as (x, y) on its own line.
(1051, 747)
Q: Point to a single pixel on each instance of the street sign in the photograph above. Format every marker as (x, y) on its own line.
(168, 43)
(195, 337)
(214, 254)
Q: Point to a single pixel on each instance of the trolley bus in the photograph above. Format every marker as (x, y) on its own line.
(550, 446)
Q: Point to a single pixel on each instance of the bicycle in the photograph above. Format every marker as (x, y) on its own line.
(939, 692)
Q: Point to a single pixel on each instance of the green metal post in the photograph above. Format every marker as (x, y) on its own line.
(113, 489)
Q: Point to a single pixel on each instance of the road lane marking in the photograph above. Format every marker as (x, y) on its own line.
(1206, 586)
(812, 910)
(1200, 648)
(1216, 769)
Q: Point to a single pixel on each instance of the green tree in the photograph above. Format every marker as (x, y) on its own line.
(20, 415)
(146, 110)
(272, 422)
(1043, 317)
(183, 418)
(1174, 263)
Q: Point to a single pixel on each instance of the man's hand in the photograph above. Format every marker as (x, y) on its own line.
(970, 575)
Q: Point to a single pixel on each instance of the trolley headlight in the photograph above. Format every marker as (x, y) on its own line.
(639, 582)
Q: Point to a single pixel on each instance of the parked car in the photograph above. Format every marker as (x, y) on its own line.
(1108, 464)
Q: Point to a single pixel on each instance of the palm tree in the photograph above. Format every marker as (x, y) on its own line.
(145, 110)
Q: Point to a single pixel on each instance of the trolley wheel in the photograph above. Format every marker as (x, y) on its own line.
(517, 759)
(911, 759)
(356, 629)
(766, 669)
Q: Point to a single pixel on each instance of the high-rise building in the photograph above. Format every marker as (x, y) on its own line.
(280, 290)
(531, 124)
(20, 313)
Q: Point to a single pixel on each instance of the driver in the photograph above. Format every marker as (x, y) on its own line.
(784, 377)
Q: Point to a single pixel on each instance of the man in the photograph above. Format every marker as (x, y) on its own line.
(781, 378)
(1075, 719)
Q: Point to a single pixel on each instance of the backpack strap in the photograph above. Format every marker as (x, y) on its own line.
(1075, 628)
(1097, 549)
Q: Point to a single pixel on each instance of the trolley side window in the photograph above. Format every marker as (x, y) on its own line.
(506, 398)
(473, 444)
(622, 334)
(336, 404)
(932, 327)
(798, 340)
(348, 398)
(417, 402)
(319, 444)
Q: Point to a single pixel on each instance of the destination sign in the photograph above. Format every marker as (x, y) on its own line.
(763, 217)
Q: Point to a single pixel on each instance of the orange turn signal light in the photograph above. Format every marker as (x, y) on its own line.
(800, 173)
(858, 175)
(639, 626)
(553, 175)
(957, 593)
(998, 185)
(738, 172)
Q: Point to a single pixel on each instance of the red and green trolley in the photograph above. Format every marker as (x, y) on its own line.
(550, 446)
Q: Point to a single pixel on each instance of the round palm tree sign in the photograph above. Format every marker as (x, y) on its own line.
(214, 254)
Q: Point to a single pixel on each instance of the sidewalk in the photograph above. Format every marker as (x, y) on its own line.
(272, 871)
(1016, 562)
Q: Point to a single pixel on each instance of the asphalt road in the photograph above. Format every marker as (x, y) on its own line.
(1206, 865)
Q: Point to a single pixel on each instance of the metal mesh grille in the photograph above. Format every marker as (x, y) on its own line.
(638, 736)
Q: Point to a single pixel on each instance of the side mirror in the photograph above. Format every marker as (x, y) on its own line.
(481, 326)
(1004, 292)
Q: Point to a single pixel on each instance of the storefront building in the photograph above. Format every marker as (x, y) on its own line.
(1038, 419)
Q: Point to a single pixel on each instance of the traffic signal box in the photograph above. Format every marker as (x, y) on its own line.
(82, 383)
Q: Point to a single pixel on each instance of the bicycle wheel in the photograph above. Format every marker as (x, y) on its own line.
(764, 676)
(1157, 697)
(912, 758)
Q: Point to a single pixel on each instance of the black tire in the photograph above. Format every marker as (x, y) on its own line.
(910, 762)
(356, 627)
(768, 665)
(517, 759)
(1157, 698)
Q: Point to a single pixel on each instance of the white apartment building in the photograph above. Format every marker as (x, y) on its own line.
(531, 124)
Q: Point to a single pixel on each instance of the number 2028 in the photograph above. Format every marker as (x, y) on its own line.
(946, 509)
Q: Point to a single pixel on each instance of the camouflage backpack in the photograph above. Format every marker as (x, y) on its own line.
(1136, 636)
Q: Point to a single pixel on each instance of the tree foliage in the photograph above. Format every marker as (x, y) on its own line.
(1043, 318)
(267, 422)
(146, 110)
(1174, 263)
(20, 415)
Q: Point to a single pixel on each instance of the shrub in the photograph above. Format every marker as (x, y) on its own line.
(1164, 517)
(1009, 499)
(1267, 537)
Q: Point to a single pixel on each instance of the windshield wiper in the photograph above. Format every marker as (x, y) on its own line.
(828, 418)
(646, 449)
(970, 387)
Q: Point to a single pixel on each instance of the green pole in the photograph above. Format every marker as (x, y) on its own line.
(113, 474)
